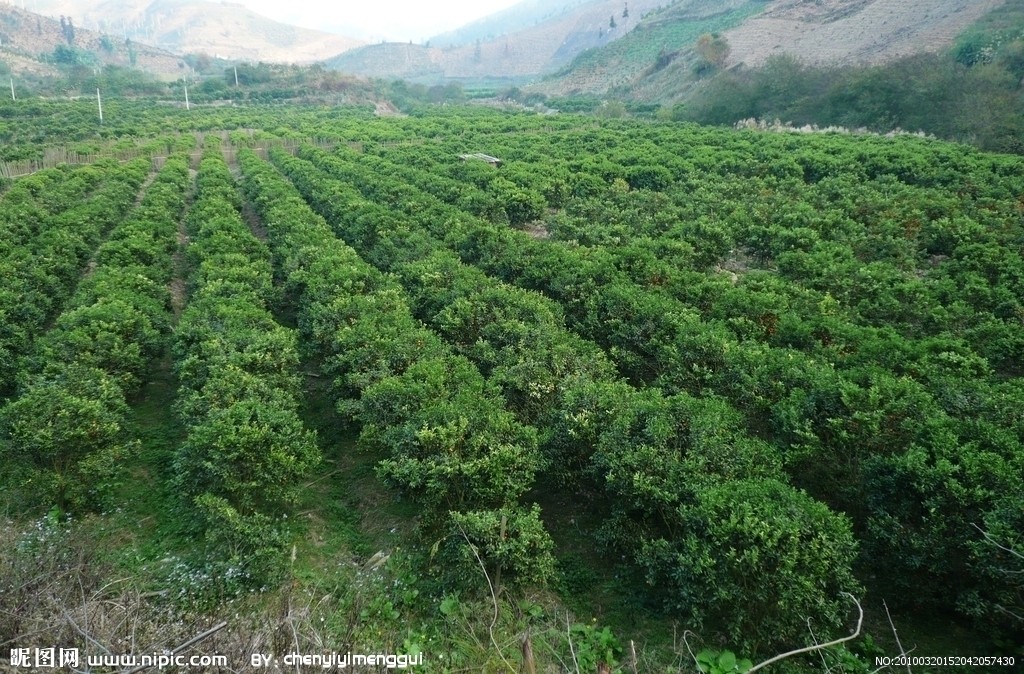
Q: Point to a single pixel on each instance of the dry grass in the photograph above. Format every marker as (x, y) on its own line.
(57, 592)
(852, 31)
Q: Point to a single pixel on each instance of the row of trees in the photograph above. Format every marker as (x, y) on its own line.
(835, 406)
(49, 233)
(597, 431)
(761, 307)
(724, 315)
(809, 216)
(445, 438)
(66, 433)
(240, 467)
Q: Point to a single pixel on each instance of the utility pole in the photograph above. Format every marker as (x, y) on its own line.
(99, 104)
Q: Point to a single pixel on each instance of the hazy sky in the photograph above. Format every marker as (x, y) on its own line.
(401, 20)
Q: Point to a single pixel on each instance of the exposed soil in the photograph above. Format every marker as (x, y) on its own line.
(178, 286)
(254, 222)
(537, 229)
(386, 109)
(249, 214)
(852, 31)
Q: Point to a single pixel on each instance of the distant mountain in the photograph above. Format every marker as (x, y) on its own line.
(511, 20)
(524, 41)
(221, 29)
(818, 32)
(571, 46)
(29, 42)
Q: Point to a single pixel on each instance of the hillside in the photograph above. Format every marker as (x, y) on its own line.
(674, 28)
(510, 20)
(657, 62)
(649, 54)
(29, 41)
(524, 53)
(223, 29)
(852, 32)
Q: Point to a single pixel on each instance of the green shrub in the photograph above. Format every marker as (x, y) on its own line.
(755, 560)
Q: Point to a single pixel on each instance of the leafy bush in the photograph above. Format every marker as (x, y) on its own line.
(247, 449)
(753, 560)
(517, 549)
(69, 430)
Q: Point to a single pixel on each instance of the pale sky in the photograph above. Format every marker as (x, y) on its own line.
(398, 20)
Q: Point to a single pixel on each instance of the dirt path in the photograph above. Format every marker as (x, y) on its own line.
(248, 212)
(90, 267)
(144, 187)
(179, 281)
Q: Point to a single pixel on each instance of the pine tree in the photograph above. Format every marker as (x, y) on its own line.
(67, 28)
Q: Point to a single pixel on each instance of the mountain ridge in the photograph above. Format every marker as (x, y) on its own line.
(222, 29)
(525, 53)
(29, 43)
(578, 51)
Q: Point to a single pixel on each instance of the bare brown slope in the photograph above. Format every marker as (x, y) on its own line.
(833, 32)
(816, 31)
(853, 31)
(532, 51)
(29, 37)
(224, 29)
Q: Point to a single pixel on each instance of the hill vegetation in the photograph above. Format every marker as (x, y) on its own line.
(38, 47)
(970, 92)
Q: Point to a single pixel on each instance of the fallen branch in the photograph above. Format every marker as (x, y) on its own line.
(494, 597)
(188, 644)
(690, 650)
(810, 649)
(896, 635)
